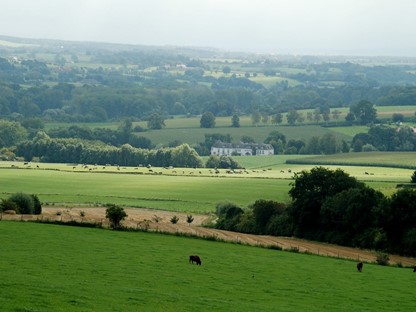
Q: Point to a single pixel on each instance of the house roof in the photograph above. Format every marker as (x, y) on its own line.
(242, 145)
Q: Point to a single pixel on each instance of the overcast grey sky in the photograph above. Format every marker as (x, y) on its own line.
(349, 27)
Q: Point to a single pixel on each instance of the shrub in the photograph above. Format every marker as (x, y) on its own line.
(25, 202)
(189, 219)
(174, 219)
(37, 206)
(382, 258)
(115, 214)
(7, 204)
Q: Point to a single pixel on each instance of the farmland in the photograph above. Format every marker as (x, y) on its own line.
(188, 130)
(73, 269)
(49, 268)
(189, 190)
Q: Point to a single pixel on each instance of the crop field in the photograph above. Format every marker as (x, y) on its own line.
(376, 159)
(57, 268)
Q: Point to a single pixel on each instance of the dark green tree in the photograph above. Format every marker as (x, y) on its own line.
(125, 129)
(399, 221)
(247, 139)
(277, 118)
(115, 214)
(263, 211)
(226, 69)
(308, 193)
(228, 216)
(155, 122)
(235, 121)
(413, 177)
(207, 120)
(25, 202)
(292, 116)
(364, 112)
(349, 217)
(37, 206)
(7, 204)
(11, 133)
(185, 156)
(397, 117)
(277, 140)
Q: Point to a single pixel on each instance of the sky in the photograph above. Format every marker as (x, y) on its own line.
(323, 27)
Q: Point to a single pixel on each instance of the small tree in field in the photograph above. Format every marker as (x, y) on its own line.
(189, 219)
(115, 214)
(174, 219)
(413, 178)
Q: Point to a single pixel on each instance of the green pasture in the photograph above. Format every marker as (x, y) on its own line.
(176, 189)
(269, 81)
(186, 191)
(58, 268)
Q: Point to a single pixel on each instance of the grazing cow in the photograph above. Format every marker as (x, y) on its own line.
(360, 266)
(195, 259)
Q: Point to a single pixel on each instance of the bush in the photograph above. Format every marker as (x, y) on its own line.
(174, 219)
(25, 202)
(7, 204)
(37, 206)
(115, 214)
(382, 258)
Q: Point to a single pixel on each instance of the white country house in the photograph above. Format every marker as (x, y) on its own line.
(241, 149)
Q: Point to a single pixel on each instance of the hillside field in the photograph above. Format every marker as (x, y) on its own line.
(57, 268)
(188, 130)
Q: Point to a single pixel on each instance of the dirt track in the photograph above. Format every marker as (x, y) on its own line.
(158, 220)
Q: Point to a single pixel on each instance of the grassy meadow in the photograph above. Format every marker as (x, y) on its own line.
(57, 268)
(192, 190)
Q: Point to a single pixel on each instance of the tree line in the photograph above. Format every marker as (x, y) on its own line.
(46, 149)
(333, 207)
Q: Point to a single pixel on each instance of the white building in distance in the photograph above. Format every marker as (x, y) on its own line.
(241, 149)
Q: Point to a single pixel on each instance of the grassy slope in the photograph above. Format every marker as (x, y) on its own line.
(55, 268)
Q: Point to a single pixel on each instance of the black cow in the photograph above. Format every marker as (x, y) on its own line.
(195, 259)
(414, 268)
(360, 266)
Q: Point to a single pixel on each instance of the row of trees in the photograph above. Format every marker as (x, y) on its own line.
(333, 207)
(385, 138)
(77, 151)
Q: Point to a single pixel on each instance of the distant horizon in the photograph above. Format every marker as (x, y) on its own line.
(294, 27)
(211, 48)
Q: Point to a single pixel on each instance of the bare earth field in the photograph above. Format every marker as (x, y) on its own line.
(157, 220)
